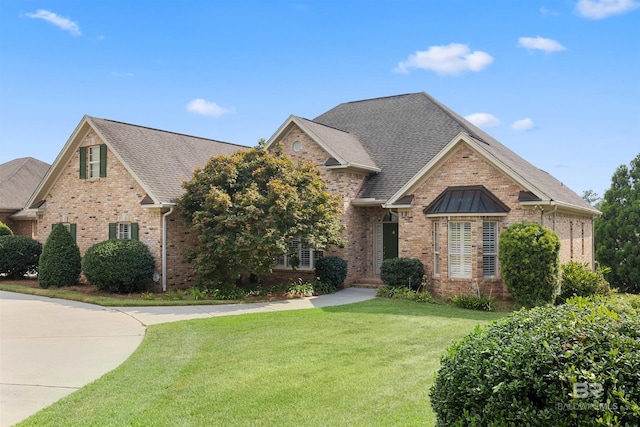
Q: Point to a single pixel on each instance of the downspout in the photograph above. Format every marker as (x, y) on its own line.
(555, 208)
(164, 247)
(593, 242)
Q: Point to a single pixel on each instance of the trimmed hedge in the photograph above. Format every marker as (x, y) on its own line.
(579, 280)
(5, 230)
(60, 260)
(406, 272)
(331, 270)
(121, 266)
(569, 365)
(18, 255)
(529, 261)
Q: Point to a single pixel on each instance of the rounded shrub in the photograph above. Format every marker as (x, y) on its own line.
(331, 270)
(60, 260)
(18, 255)
(569, 365)
(406, 272)
(5, 230)
(529, 260)
(120, 266)
(579, 280)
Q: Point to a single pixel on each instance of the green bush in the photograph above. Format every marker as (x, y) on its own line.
(574, 364)
(18, 255)
(60, 260)
(579, 280)
(121, 266)
(474, 302)
(402, 272)
(529, 261)
(403, 292)
(331, 270)
(320, 287)
(5, 230)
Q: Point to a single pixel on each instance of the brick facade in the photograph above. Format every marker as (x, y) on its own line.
(93, 203)
(462, 167)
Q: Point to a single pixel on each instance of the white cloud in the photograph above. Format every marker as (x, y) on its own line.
(524, 124)
(206, 108)
(540, 43)
(63, 23)
(483, 120)
(598, 9)
(452, 59)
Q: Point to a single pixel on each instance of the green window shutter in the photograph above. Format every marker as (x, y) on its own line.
(113, 230)
(83, 162)
(134, 231)
(72, 231)
(103, 160)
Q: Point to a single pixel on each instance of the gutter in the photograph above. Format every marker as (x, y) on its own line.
(164, 245)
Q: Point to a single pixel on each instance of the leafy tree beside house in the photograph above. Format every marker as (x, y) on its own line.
(617, 231)
(247, 207)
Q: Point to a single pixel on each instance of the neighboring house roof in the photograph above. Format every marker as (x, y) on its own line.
(159, 160)
(403, 134)
(18, 179)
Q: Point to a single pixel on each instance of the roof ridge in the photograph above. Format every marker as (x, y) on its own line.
(382, 97)
(325, 125)
(166, 131)
(21, 164)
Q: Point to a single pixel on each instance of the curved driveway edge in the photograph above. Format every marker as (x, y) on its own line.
(50, 347)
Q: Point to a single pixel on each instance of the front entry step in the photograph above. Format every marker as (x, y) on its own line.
(369, 282)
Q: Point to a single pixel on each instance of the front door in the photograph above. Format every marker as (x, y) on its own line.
(385, 243)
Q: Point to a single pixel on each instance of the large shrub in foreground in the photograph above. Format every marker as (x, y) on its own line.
(60, 260)
(118, 265)
(580, 281)
(569, 365)
(529, 261)
(406, 272)
(331, 270)
(18, 255)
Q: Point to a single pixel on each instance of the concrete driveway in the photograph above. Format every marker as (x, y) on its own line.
(49, 347)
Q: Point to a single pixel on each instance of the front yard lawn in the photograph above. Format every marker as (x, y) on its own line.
(370, 363)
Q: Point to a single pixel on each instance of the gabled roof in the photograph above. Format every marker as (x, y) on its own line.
(474, 199)
(157, 159)
(18, 179)
(404, 133)
(344, 148)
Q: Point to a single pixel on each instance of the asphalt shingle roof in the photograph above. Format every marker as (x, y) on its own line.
(403, 133)
(18, 179)
(160, 159)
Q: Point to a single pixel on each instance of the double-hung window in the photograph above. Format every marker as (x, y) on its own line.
(123, 230)
(489, 249)
(304, 256)
(460, 250)
(93, 161)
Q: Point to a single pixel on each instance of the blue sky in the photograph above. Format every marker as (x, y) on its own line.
(557, 81)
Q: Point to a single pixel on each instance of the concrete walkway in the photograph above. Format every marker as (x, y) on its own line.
(49, 347)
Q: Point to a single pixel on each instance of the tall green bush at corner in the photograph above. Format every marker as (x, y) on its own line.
(5, 230)
(60, 262)
(529, 261)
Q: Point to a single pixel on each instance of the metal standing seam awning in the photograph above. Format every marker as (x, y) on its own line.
(473, 199)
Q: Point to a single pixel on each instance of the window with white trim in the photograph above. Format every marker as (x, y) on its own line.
(460, 250)
(94, 161)
(124, 230)
(306, 256)
(436, 248)
(489, 249)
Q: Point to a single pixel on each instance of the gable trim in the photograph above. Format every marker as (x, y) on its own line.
(448, 150)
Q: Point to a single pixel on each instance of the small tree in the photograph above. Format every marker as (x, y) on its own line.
(247, 207)
(60, 262)
(529, 260)
(5, 230)
(617, 231)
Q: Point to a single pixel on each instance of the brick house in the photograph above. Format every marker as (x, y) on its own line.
(418, 180)
(117, 180)
(18, 179)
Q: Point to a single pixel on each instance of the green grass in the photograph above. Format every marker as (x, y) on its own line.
(111, 301)
(364, 364)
